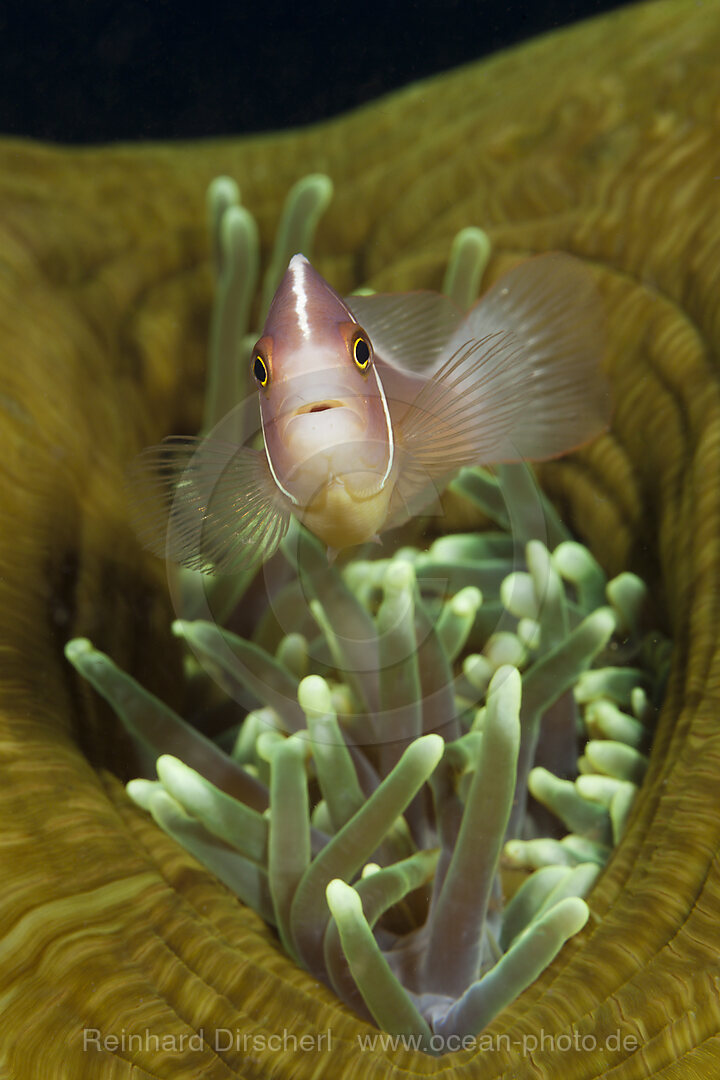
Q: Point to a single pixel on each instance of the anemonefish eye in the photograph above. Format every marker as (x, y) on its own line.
(260, 370)
(361, 353)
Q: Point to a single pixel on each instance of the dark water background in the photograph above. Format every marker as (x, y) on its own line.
(91, 71)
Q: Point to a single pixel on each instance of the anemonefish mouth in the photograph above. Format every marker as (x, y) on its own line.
(319, 406)
(306, 433)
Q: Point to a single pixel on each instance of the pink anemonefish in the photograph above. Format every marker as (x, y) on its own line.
(369, 405)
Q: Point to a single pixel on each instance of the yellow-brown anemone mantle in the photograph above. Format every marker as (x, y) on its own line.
(602, 140)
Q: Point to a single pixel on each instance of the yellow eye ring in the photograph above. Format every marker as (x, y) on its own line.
(361, 353)
(260, 370)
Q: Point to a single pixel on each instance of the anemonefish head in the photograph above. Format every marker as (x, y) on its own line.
(326, 423)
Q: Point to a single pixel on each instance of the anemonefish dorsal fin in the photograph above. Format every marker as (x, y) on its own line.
(521, 378)
(408, 330)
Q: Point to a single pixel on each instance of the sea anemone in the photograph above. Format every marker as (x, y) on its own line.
(398, 757)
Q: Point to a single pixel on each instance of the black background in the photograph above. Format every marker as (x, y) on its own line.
(90, 71)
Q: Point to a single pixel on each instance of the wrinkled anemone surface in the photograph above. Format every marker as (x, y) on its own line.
(600, 140)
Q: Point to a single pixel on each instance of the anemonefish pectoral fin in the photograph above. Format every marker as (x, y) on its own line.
(521, 380)
(411, 329)
(416, 492)
(207, 505)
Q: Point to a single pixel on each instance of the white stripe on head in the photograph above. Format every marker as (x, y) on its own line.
(288, 494)
(388, 423)
(297, 268)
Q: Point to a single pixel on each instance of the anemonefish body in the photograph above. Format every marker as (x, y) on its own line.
(369, 405)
